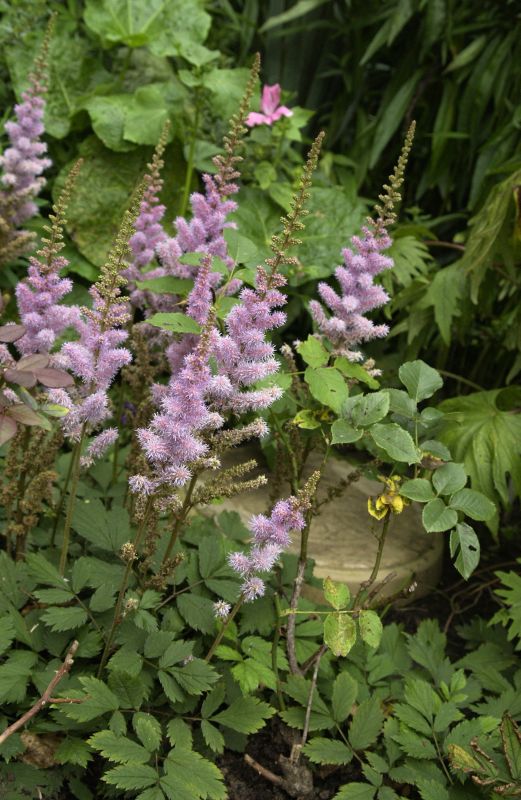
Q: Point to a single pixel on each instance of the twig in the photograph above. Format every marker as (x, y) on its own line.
(450, 245)
(46, 696)
(295, 754)
(265, 773)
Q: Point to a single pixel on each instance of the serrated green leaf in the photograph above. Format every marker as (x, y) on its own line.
(131, 776)
(396, 442)
(197, 611)
(73, 750)
(336, 594)
(356, 371)
(473, 504)
(371, 628)
(148, 730)
(195, 677)
(345, 691)
(356, 791)
(176, 652)
(189, 770)
(339, 633)
(327, 751)
(179, 733)
(436, 516)
(118, 748)
(313, 352)
(511, 738)
(212, 736)
(465, 549)
(43, 571)
(130, 690)
(414, 745)
(170, 687)
(420, 380)
(64, 619)
(108, 529)
(245, 715)
(449, 478)
(98, 700)
(418, 489)
(366, 724)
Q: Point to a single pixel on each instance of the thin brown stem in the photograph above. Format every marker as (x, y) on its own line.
(297, 750)
(270, 776)
(183, 513)
(46, 697)
(362, 592)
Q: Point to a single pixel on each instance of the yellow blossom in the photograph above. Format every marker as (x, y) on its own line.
(389, 501)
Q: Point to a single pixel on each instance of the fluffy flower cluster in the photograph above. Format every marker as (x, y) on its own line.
(24, 161)
(348, 325)
(38, 298)
(270, 537)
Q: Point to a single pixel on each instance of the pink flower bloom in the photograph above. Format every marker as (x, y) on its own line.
(270, 108)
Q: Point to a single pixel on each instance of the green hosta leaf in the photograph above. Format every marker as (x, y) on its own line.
(336, 594)
(212, 736)
(356, 791)
(197, 611)
(339, 633)
(438, 517)
(98, 699)
(184, 27)
(420, 380)
(189, 771)
(167, 285)
(327, 751)
(313, 352)
(355, 371)
(327, 385)
(342, 432)
(464, 547)
(396, 442)
(419, 489)
(245, 715)
(175, 322)
(118, 748)
(371, 628)
(473, 504)
(107, 529)
(121, 21)
(107, 115)
(146, 114)
(195, 677)
(364, 410)
(131, 776)
(345, 691)
(148, 730)
(64, 619)
(449, 478)
(366, 725)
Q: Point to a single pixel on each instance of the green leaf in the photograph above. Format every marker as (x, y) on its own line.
(212, 736)
(64, 619)
(414, 745)
(189, 771)
(299, 9)
(464, 547)
(449, 478)
(167, 285)
(420, 380)
(392, 116)
(133, 24)
(148, 730)
(118, 748)
(339, 633)
(327, 385)
(107, 115)
(402, 404)
(43, 571)
(419, 489)
(336, 594)
(370, 626)
(145, 115)
(197, 611)
(313, 352)
(355, 371)
(245, 715)
(195, 677)
(436, 516)
(98, 699)
(473, 504)
(177, 651)
(73, 750)
(184, 26)
(175, 322)
(345, 691)
(131, 776)
(356, 791)
(15, 674)
(431, 789)
(179, 733)
(366, 409)
(170, 687)
(327, 751)
(511, 738)
(241, 249)
(366, 724)
(396, 442)
(7, 634)
(343, 433)
(107, 529)
(468, 54)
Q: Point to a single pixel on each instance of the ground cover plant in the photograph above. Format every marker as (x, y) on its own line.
(148, 636)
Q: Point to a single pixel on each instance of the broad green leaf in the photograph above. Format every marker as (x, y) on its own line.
(327, 385)
(370, 626)
(396, 442)
(15, 674)
(465, 549)
(146, 114)
(107, 115)
(339, 633)
(419, 489)
(174, 322)
(313, 352)
(356, 371)
(177, 651)
(184, 27)
(44, 572)
(118, 748)
(366, 409)
(473, 504)
(122, 21)
(420, 380)
(336, 594)
(148, 730)
(401, 404)
(344, 433)
(449, 478)
(245, 715)
(241, 249)
(366, 724)
(436, 516)
(131, 690)
(166, 285)
(345, 691)
(327, 751)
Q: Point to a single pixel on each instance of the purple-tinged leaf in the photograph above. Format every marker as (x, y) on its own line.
(20, 377)
(33, 362)
(54, 378)
(7, 429)
(10, 333)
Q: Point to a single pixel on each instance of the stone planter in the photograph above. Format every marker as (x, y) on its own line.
(341, 540)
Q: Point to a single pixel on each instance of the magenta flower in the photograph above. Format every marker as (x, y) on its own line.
(270, 108)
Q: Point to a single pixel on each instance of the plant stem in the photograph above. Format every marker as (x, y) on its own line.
(362, 592)
(307, 718)
(274, 653)
(123, 588)
(218, 639)
(62, 498)
(75, 477)
(185, 508)
(295, 596)
(20, 540)
(190, 164)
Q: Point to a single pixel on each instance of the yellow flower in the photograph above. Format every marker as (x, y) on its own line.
(389, 501)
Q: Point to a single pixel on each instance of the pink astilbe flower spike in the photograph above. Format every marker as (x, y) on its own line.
(347, 326)
(271, 110)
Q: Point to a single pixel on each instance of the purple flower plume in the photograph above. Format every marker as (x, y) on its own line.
(270, 537)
